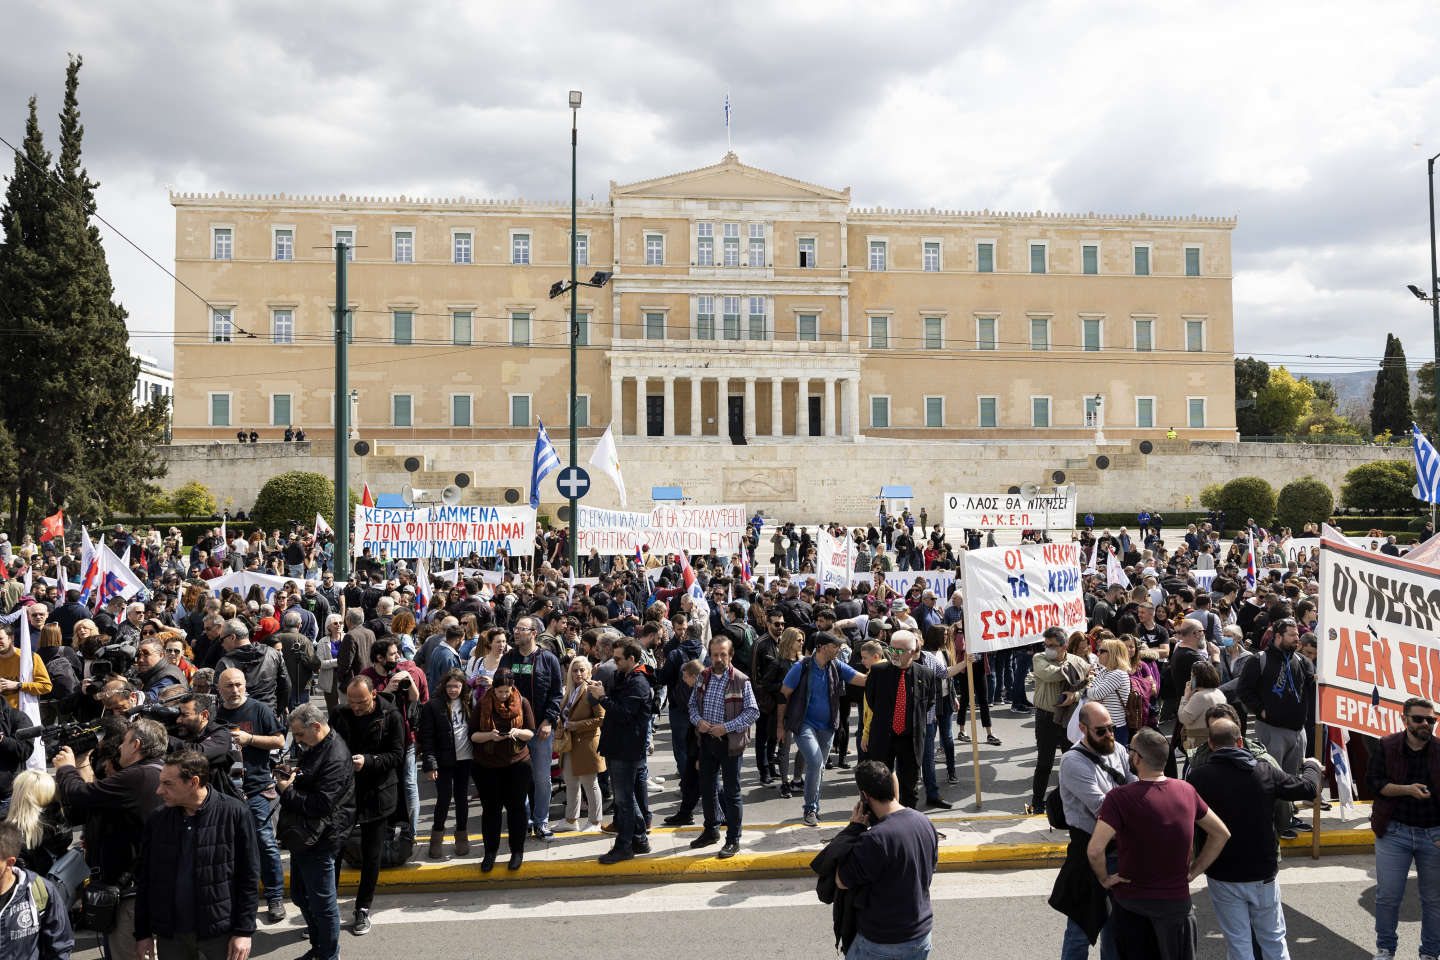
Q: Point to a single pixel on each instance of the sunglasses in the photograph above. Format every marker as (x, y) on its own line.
(897, 651)
(1102, 730)
(1428, 721)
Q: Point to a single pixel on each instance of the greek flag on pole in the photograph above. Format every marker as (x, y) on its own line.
(546, 461)
(29, 705)
(1427, 467)
(727, 110)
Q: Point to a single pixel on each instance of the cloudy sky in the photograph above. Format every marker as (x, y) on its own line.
(1310, 121)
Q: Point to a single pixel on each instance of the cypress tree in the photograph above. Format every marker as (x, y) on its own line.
(1390, 408)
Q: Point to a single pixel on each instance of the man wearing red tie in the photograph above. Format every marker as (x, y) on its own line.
(895, 693)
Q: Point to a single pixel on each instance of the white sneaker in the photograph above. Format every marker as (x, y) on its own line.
(656, 783)
(590, 827)
(565, 826)
(1384, 955)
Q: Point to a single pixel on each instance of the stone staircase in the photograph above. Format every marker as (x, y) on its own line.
(1086, 471)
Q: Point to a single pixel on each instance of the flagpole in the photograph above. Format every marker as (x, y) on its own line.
(1315, 810)
(974, 729)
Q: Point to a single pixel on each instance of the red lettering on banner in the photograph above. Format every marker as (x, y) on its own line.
(1384, 670)
(1365, 670)
(1410, 668)
(1345, 661)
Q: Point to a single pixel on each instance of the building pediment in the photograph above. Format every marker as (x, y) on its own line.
(730, 180)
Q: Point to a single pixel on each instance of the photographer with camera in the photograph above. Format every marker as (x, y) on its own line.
(10, 684)
(262, 665)
(257, 731)
(34, 920)
(154, 673)
(404, 683)
(114, 810)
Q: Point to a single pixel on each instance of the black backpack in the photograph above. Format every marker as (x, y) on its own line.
(1055, 807)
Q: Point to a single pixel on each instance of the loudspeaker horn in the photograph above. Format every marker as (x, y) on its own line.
(409, 495)
(361, 448)
(450, 496)
(462, 480)
(1028, 489)
(512, 495)
(412, 464)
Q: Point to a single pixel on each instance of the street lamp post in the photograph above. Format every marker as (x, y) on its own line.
(1434, 287)
(575, 328)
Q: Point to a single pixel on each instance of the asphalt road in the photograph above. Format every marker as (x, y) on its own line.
(1001, 914)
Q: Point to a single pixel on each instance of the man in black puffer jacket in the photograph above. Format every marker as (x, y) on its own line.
(197, 883)
(375, 736)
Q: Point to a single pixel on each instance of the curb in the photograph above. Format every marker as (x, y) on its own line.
(433, 877)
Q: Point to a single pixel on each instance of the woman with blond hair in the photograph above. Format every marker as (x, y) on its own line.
(791, 646)
(1110, 685)
(36, 813)
(578, 745)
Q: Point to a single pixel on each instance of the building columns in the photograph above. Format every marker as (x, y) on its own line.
(697, 386)
(828, 410)
(617, 402)
(722, 406)
(641, 407)
(803, 425)
(669, 407)
(851, 405)
(777, 408)
(749, 407)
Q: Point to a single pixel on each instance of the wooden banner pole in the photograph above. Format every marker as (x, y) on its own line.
(974, 729)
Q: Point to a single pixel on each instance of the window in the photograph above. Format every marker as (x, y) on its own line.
(462, 249)
(222, 244)
(934, 333)
(757, 245)
(219, 409)
(1090, 334)
(280, 410)
(519, 329)
(1039, 333)
(877, 254)
(654, 326)
(462, 328)
(705, 244)
(1195, 336)
(520, 248)
(1092, 412)
(985, 333)
(403, 327)
(284, 244)
(460, 410)
(1196, 406)
(732, 244)
(519, 409)
(654, 250)
(1037, 258)
(404, 246)
(401, 409)
(1192, 261)
(987, 411)
(757, 318)
(582, 250)
(934, 411)
(282, 326)
(1039, 411)
(807, 327)
(879, 333)
(347, 237)
(1145, 412)
(879, 411)
(222, 327)
(1144, 335)
(930, 256)
(582, 329)
(705, 317)
(807, 251)
(582, 410)
(1142, 261)
(1090, 259)
(732, 318)
(985, 257)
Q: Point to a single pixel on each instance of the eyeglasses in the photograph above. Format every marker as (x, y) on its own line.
(1102, 730)
(897, 651)
(1428, 721)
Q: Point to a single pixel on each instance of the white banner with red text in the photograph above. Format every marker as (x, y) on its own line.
(1013, 594)
(666, 530)
(450, 533)
(1008, 511)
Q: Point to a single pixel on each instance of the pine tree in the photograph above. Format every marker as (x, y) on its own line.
(1390, 408)
(68, 378)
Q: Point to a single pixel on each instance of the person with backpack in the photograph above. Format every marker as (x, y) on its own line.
(34, 921)
(1088, 771)
(809, 712)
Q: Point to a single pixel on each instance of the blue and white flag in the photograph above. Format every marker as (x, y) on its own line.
(545, 462)
(1427, 467)
(727, 111)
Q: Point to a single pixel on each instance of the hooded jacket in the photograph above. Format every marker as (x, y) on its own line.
(678, 652)
(627, 716)
(1242, 791)
(35, 924)
(265, 676)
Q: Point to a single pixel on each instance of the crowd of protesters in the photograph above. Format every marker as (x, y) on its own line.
(306, 720)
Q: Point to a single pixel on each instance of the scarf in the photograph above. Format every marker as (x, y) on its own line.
(492, 710)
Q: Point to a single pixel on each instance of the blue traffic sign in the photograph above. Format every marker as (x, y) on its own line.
(573, 482)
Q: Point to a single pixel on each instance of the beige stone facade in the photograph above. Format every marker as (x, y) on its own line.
(742, 302)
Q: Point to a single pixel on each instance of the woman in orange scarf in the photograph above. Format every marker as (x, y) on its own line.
(501, 726)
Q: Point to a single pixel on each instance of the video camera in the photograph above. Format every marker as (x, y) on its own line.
(84, 736)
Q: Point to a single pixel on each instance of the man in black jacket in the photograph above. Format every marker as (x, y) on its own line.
(622, 744)
(264, 669)
(13, 752)
(1274, 685)
(678, 651)
(375, 735)
(114, 810)
(200, 733)
(1242, 791)
(197, 880)
(320, 791)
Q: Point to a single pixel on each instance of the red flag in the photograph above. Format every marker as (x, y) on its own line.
(365, 499)
(52, 526)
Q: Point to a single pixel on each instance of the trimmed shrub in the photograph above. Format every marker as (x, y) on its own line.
(1303, 501)
(1210, 496)
(193, 499)
(297, 495)
(1248, 497)
(1380, 487)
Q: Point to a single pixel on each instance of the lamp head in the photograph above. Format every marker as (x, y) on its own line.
(601, 278)
(1419, 294)
(557, 288)
(574, 99)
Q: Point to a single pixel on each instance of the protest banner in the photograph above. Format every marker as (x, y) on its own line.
(1012, 594)
(835, 560)
(242, 580)
(1008, 511)
(449, 533)
(941, 581)
(1377, 633)
(667, 529)
(1295, 546)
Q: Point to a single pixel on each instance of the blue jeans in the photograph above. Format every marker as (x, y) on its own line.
(1076, 945)
(927, 762)
(312, 887)
(272, 871)
(540, 770)
(862, 948)
(1243, 909)
(1020, 658)
(1394, 852)
(412, 789)
(626, 778)
(717, 764)
(679, 726)
(814, 746)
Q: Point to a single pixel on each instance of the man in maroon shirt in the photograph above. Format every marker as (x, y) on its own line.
(1152, 822)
